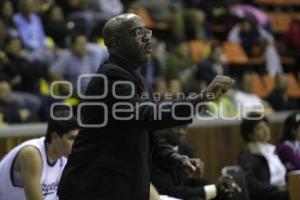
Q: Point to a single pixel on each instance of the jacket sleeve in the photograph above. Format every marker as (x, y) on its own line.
(250, 165)
(162, 179)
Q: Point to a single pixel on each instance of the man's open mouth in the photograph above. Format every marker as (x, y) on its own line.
(148, 48)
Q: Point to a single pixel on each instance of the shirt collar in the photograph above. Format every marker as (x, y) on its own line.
(115, 59)
(25, 18)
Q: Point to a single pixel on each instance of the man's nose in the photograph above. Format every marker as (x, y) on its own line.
(146, 38)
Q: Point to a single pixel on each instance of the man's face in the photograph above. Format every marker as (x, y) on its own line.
(26, 7)
(7, 9)
(3, 31)
(14, 46)
(176, 135)
(261, 132)
(133, 41)
(64, 143)
(79, 46)
(5, 92)
(57, 14)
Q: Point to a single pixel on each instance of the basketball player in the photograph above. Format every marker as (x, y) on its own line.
(32, 170)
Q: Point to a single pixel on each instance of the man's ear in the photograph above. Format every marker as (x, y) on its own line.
(115, 43)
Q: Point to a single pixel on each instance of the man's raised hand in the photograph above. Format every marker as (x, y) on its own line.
(218, 87)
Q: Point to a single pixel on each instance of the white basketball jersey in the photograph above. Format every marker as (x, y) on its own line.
(10, 189)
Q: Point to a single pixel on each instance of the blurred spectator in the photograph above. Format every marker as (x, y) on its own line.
(31, 31)
(12, 111)
(249, 35)
(177, 61)
(78, 60)
(12, 71)
(3, 33)
(171, 180)
(184, 23)
(6, 14)
(71, 6)
(102, 11)
(292, 42)
(89, 14)
(265, 173)
(214, 65)
(224, 107)
(175, 88)
(29, 26)
(39, 6)
(260, 17)
(246, 100)
(28, 73)
(179, 67)
(76, 7)
(160, 88)
(152, 71)
(107, 8)
(8, 70)
(289, 147)
(215, 10)
(278, 98)
(57, 27)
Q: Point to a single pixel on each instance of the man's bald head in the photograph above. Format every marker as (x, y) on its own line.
(117, 26)
(127, 37)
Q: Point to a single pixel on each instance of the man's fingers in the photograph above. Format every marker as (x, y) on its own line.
(192, 167)
(189, 167)
(220, 85)
(196, 163)
(199, 165)
(225, 84)
(202, 168)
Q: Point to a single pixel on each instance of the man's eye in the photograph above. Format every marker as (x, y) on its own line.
(138, 32)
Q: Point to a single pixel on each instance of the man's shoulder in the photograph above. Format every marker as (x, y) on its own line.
(32, 147)
(112, 69)
(29, 150)
(31, 155)
(110, 72)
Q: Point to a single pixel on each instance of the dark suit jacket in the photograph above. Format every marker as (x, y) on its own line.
(171, 180)
(257, 175)
(113, 162)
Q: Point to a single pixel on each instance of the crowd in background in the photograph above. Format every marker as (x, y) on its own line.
(263, 166)
(42, 41)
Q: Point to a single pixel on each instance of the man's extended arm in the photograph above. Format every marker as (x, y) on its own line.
(165, 114)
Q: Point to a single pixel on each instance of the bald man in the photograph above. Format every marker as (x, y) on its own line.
(112, 154)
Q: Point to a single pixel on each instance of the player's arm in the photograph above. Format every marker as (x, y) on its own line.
(31, 169)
